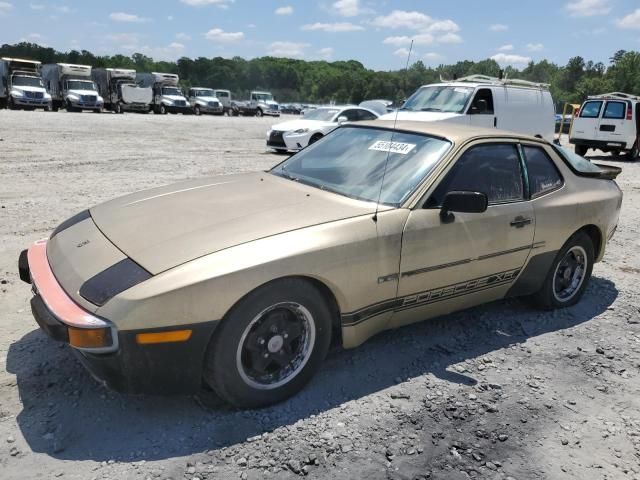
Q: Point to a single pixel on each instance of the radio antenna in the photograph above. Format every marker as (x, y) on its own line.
(393, 131)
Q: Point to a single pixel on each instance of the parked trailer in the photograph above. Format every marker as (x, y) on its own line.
(71, 87)
(167, 97)
(21, 85)
(120, 92)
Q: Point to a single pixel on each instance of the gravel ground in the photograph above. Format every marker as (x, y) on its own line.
(500, 392)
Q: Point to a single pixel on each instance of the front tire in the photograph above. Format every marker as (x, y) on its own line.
(269, 345)
(259, 113)
(196, 110)
(163, 109)
(569, 274)
(315, 138)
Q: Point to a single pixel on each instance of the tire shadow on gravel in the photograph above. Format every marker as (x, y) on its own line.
(67, 415)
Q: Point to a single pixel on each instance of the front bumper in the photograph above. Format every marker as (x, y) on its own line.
(31, 102)
(209, 109)
(86, 105)
(178, 109)
(135, 107)
(271, 113)
(128, 366)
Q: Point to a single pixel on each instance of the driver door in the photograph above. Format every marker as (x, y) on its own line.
(482, 110)
(451, 265)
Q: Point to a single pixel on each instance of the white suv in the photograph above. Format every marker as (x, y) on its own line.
(609, 122)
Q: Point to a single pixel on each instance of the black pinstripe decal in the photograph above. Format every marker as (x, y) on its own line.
(431, 296)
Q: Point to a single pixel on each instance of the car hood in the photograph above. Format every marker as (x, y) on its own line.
(21, 88)
(423, 116)
(173, 98)
(165, 227)
(296, 124)
(207, 99)
(83, 92)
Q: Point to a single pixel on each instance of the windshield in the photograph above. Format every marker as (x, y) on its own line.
(24, 81)
(203, 93)
(221, 93)
(80, 85)
(321, 114)
(351, 161)
(171, 91)
(438, 98)
(263, 96)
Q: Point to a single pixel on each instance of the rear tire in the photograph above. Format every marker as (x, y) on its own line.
(569, 274)
(634, 153)
(269, 345)
(581, 150)
(118, 108)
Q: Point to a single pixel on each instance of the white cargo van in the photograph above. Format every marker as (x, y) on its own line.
(507, 104)
(609, 122)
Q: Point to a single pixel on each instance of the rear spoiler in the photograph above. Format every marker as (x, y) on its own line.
(608, 172)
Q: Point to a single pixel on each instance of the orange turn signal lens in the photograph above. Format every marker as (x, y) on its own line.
(90, 337)
(163, 337)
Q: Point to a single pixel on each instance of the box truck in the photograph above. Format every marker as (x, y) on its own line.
(71, 87)
(120, 92)
(21, 85)
(167, 96)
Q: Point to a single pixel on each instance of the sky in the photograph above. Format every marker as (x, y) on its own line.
(375, 32)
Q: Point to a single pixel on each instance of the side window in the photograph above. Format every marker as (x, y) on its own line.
(591, 110)
(543, 174)
(352, 115)
(482, 103)
(615, 110)
(492, 169)
(364, 115)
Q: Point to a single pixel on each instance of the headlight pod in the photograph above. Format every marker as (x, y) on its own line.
(74, 97)
(301, 130)
(112, 281)
(17, 93)
(167, 102)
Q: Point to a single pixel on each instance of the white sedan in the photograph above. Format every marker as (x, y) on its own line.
(297, 134)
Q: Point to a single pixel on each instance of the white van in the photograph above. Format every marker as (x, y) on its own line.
(609, 122)
(514, 105)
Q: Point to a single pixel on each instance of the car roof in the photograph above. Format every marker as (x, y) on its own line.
(451, 131)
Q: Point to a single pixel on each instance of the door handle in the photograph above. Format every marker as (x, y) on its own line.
(520, 222)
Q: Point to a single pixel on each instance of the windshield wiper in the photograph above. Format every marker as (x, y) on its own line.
(430, 109)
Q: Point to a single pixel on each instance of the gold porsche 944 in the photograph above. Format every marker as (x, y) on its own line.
(241, 282)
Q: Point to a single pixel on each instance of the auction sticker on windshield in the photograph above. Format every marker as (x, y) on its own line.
(392, 147)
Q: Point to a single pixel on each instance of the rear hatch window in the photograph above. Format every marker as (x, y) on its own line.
(584, 168)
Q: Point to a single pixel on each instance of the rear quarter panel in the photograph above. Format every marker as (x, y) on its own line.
(578, 203)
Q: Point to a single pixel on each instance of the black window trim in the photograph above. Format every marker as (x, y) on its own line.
(425, 198)
(599, 109)
(523, 157)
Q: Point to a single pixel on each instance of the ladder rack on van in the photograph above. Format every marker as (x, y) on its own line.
(503, 81)
(619, 95)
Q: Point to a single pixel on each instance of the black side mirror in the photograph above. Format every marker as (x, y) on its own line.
(462, 202)
(480, 106)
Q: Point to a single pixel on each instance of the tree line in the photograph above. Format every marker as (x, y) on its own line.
(292, 80)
